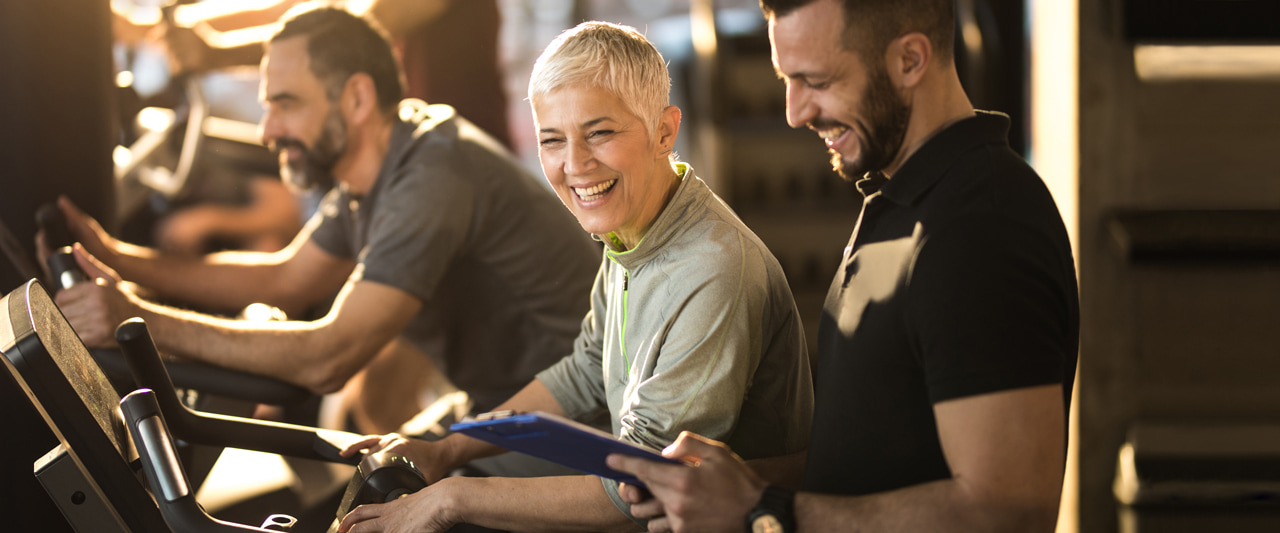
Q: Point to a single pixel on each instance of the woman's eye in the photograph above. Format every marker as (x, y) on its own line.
(600, 133)
(548, 143)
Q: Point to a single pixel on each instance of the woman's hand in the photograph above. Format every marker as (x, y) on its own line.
(429, 510)
(428, 457)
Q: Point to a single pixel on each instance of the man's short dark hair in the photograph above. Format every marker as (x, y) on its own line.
(870, 25)
(340, 45)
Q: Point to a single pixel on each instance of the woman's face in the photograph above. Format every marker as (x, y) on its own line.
(606, 167)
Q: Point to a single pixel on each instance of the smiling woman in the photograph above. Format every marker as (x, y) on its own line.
(605, 130)
(692, 324)
(611, 171)
(693, 327)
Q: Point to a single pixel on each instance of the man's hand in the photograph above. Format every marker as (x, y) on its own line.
(713, 495)
(85, 230)
(95, 308)
(427, 456)
(425, 511)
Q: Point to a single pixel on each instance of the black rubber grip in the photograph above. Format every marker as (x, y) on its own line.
(64, 269)
(54, 223)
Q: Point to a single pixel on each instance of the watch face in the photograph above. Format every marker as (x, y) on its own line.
(766, 524)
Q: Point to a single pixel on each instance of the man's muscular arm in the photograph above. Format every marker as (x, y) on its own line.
(1006, 454)
(319, 355)
(294, 278)
(1005, 450)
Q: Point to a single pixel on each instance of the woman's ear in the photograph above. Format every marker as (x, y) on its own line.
(668, 130)
(908, 58)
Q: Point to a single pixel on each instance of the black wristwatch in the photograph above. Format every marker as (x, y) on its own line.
(775, 513)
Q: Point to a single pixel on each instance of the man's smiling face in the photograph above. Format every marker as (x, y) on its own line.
(847, 99)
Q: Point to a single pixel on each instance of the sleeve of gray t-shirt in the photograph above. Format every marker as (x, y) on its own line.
(329, 227)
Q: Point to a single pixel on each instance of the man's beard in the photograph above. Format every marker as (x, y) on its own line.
(315, 169)
(880, 133)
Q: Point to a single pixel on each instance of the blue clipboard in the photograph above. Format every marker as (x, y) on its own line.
(556, 439)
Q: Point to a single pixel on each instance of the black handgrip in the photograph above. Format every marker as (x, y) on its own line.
(62, 262)
(380, 477)
(217, 430)
(64, 269)
(53, 221)
(151, 437)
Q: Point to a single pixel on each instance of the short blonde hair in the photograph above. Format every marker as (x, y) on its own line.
(612, 57)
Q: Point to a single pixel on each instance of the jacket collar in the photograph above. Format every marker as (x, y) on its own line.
(680, 210)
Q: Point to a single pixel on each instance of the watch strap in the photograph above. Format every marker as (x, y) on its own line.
(778, 502)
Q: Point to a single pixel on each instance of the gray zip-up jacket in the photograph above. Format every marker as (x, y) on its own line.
(695, 329)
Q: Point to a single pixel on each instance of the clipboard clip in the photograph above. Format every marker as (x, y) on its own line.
(495, 415)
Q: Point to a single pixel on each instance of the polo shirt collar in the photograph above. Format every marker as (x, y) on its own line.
(936, 156)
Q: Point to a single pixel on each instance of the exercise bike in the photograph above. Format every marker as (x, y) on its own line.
(92, 475)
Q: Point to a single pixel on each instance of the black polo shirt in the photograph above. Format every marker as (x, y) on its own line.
(958, 281)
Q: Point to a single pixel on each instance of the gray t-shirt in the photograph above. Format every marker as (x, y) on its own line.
(503, 270)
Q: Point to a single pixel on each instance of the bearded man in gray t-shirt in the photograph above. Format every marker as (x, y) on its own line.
(431, 234)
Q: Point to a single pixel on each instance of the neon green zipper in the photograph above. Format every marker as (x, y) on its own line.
(626, 280)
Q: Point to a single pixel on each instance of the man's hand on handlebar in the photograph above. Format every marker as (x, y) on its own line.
(94, 309)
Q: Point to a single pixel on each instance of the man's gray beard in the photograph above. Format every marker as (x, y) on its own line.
(316, 168)
(307, 176)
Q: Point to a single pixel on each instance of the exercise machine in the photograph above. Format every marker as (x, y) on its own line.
(92, 474)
